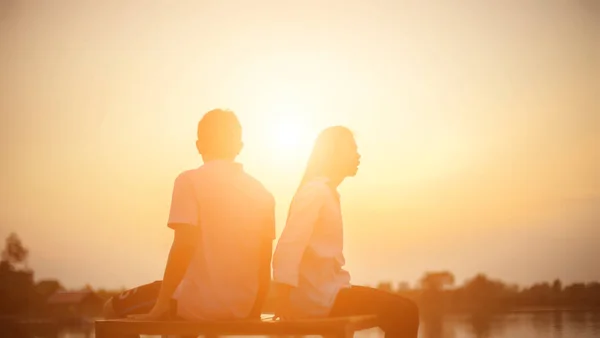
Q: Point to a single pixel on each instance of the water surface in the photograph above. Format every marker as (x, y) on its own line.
(518, 325)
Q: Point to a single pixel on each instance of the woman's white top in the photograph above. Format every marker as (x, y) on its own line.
(309, 254)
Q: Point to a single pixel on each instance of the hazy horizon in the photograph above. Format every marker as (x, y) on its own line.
(478, 124)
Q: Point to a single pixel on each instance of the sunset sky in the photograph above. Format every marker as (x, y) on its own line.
(478, 123)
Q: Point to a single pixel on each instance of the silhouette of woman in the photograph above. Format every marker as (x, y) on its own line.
(308, 262)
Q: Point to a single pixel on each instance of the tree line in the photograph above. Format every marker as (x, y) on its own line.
(436, 292)
(20, 294)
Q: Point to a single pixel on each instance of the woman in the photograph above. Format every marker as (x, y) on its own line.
(308, 260)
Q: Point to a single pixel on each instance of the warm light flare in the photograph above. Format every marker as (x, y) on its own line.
(288, 136)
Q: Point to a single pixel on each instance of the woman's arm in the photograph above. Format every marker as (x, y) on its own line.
(304, 213)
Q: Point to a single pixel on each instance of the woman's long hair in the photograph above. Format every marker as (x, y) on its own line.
(324, 156)
(325, 153)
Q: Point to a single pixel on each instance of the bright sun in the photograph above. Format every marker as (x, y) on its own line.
(289, 137)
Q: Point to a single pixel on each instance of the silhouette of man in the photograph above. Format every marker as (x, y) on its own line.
(224, 222)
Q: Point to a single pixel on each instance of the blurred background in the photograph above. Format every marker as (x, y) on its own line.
(478, 125)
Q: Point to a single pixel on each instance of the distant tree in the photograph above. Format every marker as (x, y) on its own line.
(385, 286)
(403, 286)
(540, 294)
(557, 286)
(16, 284)
(593, 293)
(483, 291)
(5, 267)
(576, 294)
(14, 252)
(541, 288)
(513, 288)
(437, 281)
(46, 288)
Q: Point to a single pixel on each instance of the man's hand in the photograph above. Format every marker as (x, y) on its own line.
(159, 311)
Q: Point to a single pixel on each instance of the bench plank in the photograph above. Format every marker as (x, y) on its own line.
(340, 327)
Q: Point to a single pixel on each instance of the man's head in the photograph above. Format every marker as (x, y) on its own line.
(219, 135)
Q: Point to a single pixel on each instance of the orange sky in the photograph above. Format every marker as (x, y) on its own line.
(479, 126)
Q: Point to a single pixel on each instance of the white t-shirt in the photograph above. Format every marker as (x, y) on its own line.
(235, 213)
(309, 253)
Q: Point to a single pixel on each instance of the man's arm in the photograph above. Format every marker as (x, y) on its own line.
(183, 218)
(182, 251)
(265, 255)
(264, 277)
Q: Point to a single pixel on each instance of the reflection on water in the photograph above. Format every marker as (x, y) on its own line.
(518, 325)
(524, 325)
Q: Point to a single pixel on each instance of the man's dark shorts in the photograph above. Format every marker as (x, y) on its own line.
(137, 300)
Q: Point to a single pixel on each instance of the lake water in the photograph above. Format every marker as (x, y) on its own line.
(520, 325)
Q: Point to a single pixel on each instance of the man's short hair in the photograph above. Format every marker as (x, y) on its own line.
(220, 133)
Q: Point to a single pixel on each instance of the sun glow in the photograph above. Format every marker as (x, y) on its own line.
(289, 137)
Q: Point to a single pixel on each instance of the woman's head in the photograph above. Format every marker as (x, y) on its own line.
(334, 155)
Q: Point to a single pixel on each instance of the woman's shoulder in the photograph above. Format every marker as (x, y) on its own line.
(313, 189)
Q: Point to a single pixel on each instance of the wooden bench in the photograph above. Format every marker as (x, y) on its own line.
(337, 327)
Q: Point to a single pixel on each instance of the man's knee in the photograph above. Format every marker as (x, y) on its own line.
(411, 313)
(405, 311)
(108, 311)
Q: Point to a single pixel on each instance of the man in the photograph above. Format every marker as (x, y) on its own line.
(224, 222)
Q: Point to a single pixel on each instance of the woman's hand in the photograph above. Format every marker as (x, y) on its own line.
(159, 311)
(283, 306)
(283, 309)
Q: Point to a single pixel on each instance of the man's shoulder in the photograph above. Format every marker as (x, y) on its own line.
(187, 174)
(201, 172)
(203, 176)
(182, 175)
(258, 187)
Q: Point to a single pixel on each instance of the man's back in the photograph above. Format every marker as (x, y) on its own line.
(235, 214)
